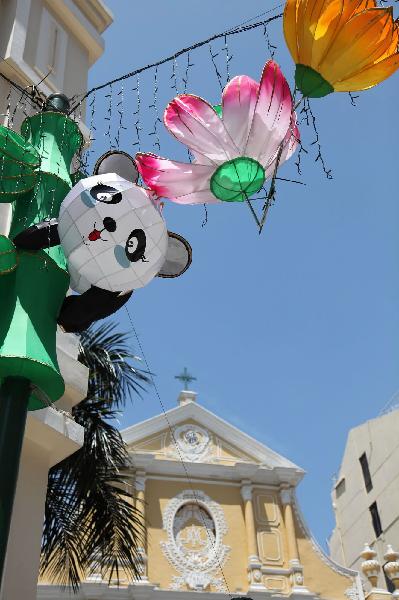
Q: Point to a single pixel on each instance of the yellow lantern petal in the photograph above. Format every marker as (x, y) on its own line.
(361, 42)
(369, 77)
(393, 45)
(304, 41)
(331, 41)
(290, 28)
(311, 25)
(321, 25)
(325, 31)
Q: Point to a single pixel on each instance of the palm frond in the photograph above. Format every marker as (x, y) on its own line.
(107, 354)
(63, 532)
(91, 523)
(112, 546)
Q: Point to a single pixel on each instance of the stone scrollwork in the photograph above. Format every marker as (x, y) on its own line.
(192, 441)
(195, 527)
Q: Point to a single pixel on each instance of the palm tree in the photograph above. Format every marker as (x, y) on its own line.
(90, 524)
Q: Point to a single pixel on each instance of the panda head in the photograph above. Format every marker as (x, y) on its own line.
(113, 233)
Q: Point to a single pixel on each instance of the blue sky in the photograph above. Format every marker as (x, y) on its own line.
(293, 335)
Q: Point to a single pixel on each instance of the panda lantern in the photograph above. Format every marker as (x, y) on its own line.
(115, 240)
(104, 238)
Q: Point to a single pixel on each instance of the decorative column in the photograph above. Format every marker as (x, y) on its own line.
(391, 568)
(370, 566)
(140, 505)
(371, 569)
(254, 564)
(297, 579)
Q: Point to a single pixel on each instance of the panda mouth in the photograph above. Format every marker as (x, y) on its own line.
(95, 235)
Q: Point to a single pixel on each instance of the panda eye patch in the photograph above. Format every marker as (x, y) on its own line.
(135, 245)
(106, 194)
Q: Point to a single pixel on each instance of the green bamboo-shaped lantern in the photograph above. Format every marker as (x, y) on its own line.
(35, 177)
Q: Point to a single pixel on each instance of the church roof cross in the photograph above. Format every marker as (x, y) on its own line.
(186, 378)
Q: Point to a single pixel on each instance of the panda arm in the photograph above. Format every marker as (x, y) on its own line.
(79, 312)
(38, 236)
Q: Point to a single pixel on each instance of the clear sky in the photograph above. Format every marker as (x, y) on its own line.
(293, 335)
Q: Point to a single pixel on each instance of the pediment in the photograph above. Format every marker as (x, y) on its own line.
(191, 441)
(199, 436)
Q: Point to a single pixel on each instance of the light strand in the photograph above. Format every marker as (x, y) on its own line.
(173, 437)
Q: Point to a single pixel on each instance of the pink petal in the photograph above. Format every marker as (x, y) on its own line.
(195, 123)
(200, 197)
(290, 144)
(239, 101)
(175, 180)
(272, 115)
(201, 159)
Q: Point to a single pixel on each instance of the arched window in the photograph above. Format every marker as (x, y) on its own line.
(194, 531)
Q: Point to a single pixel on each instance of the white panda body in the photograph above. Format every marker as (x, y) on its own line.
(112, 234)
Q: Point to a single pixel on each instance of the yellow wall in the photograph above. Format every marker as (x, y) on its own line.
(319, 576)
(271, 536)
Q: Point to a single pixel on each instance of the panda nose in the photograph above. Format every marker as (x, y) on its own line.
(109, 224)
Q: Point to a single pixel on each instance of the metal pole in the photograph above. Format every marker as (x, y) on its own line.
(14, 396)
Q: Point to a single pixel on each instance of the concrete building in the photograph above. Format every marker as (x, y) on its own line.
(366, 494)
(58, 41)
(221, 518)
(54, 42)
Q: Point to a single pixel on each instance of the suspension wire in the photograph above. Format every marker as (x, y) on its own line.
(185, 469)
(30, 97)
(262, 14)
(37, 98)
(33, 95)
(175, 55)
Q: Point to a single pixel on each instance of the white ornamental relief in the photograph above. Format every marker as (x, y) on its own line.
(192, 441)
(195, 527)
(352, 593)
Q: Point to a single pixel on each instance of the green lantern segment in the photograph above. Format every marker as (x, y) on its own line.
(238, 179)
(34, 176)
(218, 108)
(311, 83)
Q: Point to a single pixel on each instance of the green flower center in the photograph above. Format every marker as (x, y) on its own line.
(311, 83)
(238, 179)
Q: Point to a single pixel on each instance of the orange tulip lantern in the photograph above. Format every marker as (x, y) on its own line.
(340, 45)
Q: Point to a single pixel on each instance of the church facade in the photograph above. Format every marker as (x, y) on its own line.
(221, 517)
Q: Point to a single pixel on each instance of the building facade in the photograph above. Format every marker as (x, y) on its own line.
(366, 494)
(50, 44)
(221, 518)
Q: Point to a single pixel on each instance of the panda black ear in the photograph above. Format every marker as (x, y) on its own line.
(178, 257)
(116, 161)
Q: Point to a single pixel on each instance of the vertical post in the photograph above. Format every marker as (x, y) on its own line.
(14, 396)
(140, 506)
(286, 500)
(246, 493)
(254, 563)
(297, 578)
